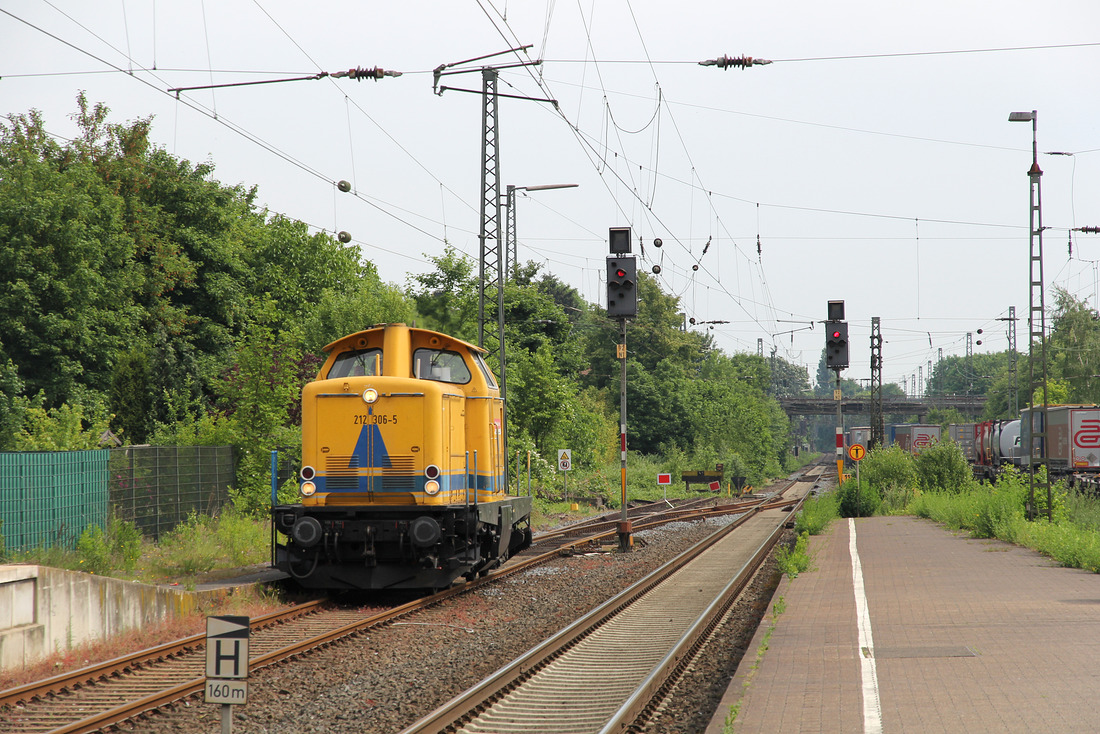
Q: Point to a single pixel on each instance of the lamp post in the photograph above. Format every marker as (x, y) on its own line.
(511, 256)
(1036, 429)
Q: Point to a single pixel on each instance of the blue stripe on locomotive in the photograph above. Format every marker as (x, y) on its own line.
(450, 482)
(372, 446)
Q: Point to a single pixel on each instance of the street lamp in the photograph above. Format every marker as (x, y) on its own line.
(511, 257)
(1035, 430)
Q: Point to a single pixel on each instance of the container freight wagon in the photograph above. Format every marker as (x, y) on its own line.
(916, 437)
(965, 435)
(1073, 437)
(860, 435)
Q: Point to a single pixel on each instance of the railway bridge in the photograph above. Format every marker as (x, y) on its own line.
(966, 404)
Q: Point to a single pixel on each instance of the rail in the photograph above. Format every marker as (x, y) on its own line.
(472, 710)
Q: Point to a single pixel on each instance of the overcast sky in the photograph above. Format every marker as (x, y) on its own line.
(872, 161)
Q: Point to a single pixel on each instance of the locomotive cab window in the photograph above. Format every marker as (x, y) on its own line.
(488, 373)
(357, 363)
(441, 366)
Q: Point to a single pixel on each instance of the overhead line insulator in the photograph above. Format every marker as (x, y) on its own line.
(359, 73)
(741, 62)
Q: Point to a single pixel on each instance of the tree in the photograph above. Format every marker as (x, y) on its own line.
(66, 278)
(261, 391)
(1074, 348)
(447, 298)
(131, 401)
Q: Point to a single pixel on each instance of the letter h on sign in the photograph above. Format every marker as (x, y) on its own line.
(227, 647)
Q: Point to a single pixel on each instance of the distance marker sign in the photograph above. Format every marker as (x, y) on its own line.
(226, 660)
(227, 647)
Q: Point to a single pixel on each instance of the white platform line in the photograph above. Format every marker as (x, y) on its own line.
(872, 709)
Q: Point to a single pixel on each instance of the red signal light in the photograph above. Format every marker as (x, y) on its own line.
(620, 273)
(836, 334)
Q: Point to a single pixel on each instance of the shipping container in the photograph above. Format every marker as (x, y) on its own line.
(916, 437)
(965, 435)
(860, 435)
(1073, 437)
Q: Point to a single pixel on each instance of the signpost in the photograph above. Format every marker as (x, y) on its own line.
(663, 480)
(227, 665)
(856, 452)
(565, 465)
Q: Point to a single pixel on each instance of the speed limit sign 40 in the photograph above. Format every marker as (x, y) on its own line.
(565, 460)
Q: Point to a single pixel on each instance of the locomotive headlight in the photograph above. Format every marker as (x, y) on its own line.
(308, 489)
(431, 487)
(370, 395)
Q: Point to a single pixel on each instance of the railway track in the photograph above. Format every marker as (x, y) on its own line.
(124, 689)
(596, 675)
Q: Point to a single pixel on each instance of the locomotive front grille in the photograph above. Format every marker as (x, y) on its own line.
(342, 472)
(398, 476)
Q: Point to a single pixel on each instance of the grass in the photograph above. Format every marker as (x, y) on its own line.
(817, 512)
(199, 549)
(795, 559)
(1071, 537)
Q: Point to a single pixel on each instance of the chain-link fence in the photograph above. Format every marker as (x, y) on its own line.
(48, 498)
(157, 487)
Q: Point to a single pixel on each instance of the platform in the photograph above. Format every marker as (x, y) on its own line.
(957, 635)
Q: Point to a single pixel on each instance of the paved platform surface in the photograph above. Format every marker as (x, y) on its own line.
(961, 635)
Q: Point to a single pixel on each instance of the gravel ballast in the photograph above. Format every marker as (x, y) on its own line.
(384, 680)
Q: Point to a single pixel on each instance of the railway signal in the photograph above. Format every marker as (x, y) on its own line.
(622, 303)
(622, 286)
(836, 359)
(836, 345)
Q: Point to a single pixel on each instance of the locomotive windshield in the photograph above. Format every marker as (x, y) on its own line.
(357, 363)
(440, 365)
(489, 379)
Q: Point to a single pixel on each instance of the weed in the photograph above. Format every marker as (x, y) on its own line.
(794, 560)
(94, 551)
(731, 718)
(817, 512)
(999, 511)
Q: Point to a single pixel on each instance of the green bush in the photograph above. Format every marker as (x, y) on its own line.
(858, 499)
(943, 466)
(202, 543)
(117, 549)
(888, 468)
(125, 539)
(94, 552)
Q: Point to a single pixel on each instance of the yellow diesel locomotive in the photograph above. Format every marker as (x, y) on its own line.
(403, 482)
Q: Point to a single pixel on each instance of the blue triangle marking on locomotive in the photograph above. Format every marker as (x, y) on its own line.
(371, 449)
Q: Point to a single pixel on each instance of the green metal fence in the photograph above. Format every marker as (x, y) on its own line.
(47, 498)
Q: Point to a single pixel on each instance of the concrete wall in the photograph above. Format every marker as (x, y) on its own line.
(45, 610)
